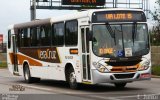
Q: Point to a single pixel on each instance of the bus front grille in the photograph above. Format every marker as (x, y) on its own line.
(124, 69)
(123, 76)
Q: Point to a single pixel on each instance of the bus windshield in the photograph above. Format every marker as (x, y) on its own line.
(120, 40)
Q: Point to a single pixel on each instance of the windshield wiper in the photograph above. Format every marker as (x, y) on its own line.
(111, 32)
(134, 31)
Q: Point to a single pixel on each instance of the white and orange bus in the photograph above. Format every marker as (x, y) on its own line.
(90, 47)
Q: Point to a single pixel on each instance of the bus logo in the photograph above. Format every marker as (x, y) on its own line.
(46, 54)
(43, 54)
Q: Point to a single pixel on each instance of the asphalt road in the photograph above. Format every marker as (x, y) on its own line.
(14, 88)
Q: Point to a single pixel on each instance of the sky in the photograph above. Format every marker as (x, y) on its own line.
(18, 11)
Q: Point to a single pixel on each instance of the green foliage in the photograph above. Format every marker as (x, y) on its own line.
(156, 13)
(156, 70)
(155, 33)
(3, 64)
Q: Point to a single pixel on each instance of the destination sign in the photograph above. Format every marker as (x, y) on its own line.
(83, 2)
(119, 16)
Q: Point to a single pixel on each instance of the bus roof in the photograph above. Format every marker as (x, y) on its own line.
(33, 23)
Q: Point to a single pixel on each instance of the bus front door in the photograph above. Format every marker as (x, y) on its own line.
(15, 62)
(85, 54)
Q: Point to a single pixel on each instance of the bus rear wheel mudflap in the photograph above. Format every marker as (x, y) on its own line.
(27, 75)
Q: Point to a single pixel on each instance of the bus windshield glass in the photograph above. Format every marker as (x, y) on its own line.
(120, 40)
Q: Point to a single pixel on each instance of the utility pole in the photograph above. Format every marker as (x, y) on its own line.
(116, 1)
(33, 9)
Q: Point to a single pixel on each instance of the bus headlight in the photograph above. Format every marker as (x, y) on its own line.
(101, 68)
(144, 66)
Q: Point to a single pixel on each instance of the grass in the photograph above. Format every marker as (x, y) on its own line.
(156, 70)
(3, 64)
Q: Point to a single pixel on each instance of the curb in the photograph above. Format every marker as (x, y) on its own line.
(155, 76)
(3, 68)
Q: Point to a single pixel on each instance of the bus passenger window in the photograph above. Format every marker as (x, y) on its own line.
(25, 37)
(58, 34)
(35, 41)
(45, 35)
(71, 33)
(9, 39)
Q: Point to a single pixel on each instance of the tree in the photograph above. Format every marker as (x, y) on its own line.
(156, 13)
(155, 36)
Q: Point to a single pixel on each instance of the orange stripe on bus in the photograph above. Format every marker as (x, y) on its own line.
(21, 59)
(32, 62)
(11, 57)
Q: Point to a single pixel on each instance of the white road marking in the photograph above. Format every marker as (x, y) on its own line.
(106, 98)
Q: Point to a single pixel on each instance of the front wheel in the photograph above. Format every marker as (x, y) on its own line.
(72, 79)
(120, 85)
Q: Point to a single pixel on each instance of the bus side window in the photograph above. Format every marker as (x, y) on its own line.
(25, 37)
(87, 39)
(18, 37)
(71, 33)
(22, 37)
(38, 43)
(45, 35)
(9, 39)
(58, 34)
(32, 37)
(35, 33)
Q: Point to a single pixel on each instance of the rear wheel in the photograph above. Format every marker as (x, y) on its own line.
(72, 79)
(120, 85)
(27, 75)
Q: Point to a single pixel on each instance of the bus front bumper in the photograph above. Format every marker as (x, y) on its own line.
(98, 77)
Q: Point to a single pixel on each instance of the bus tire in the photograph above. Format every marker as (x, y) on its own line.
(72, 79)
(120, 85)
(27, 75)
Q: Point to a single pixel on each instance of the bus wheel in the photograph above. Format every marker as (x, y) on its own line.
(27, 75)
(72, 79)
(120, 85)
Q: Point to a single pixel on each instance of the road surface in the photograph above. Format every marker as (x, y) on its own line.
(14, 88)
